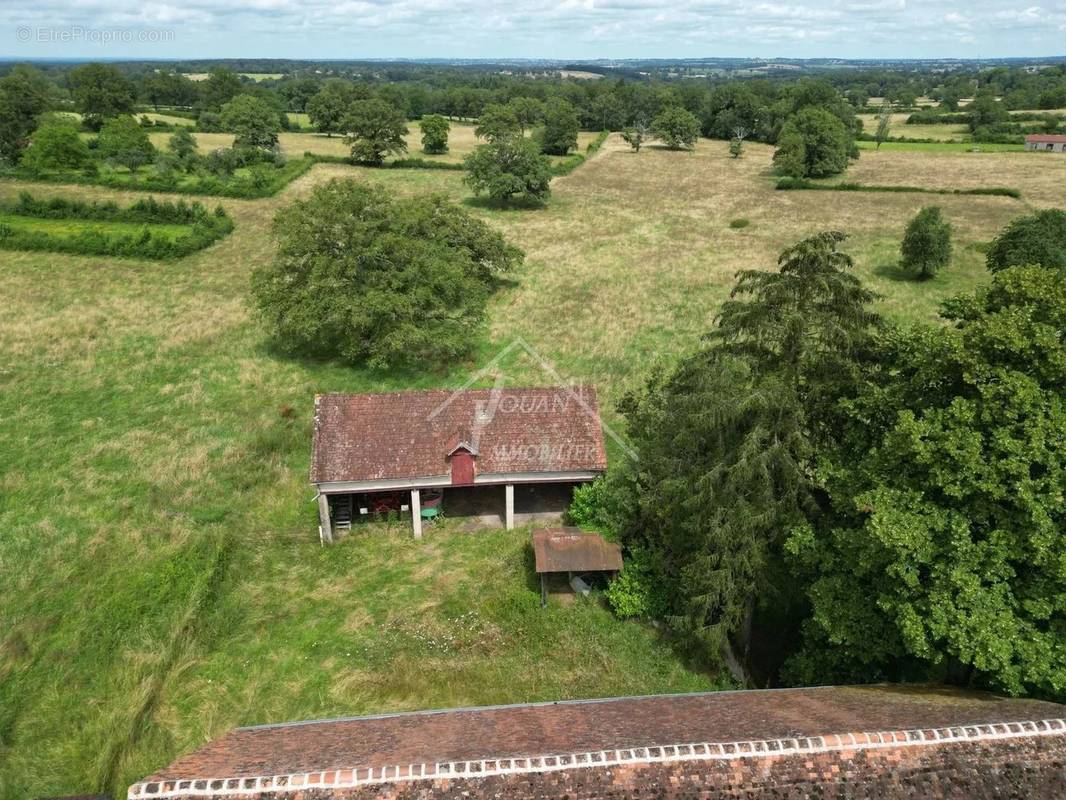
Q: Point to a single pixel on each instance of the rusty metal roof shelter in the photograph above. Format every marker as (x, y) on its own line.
(574, 550)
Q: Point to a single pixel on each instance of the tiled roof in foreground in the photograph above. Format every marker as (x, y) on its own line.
(741, 744)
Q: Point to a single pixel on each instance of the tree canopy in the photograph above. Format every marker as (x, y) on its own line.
(725, 440)
(498, 122)
(24, 95)
(558, 134)
(100, 91)
(125, 142)
(56, 145)
(373, 280)
(637, 133)
(183, 147)
(221, 86)
(507, 168)
(327, 108)
(813, 144)
(435, 130)
(253, 123)
(676, 127)
(926, 246)
(527, 111)
(374, 129)
(941, 554)
(1038, 238)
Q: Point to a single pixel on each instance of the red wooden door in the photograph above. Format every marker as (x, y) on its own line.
(462, 468)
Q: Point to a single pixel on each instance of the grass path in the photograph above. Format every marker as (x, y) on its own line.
(72, 227)
(144, 422)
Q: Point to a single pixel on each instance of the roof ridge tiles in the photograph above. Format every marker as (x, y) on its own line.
(350, 777)
(546, 703)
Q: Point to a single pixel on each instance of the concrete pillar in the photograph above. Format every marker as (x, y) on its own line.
(416, 512)
(325, 527)
(509, 507)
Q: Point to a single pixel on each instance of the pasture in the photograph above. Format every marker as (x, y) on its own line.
(163, 580)
(461, 142)
(899, 127)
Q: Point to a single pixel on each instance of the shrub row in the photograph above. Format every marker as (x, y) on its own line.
(210, 185)
(167, 111)
(570, 163)
(422, 163)
(564, 167)
(931, 116)
(869, 137)
(786, 184)
(207, 228)
(399, 163)
(150, 210)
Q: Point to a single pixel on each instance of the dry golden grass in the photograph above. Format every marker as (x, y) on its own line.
(461, 141)
(1041, 180)
(628, 263)
(899, 127)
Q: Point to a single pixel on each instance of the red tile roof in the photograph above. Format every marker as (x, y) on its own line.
(407, 435)
(1046, 137)
(573, 550)
(484, 742)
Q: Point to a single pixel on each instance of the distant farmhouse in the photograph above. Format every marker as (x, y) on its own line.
(891, 742)
(499, 455)
(1046, 142)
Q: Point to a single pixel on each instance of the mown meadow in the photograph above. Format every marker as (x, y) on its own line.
(161, 576)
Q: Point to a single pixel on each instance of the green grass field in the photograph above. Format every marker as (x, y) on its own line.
(162, 577)
(944, 147)
(167, 118)
(72, 227)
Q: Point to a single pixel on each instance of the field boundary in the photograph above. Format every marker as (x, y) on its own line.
(802, 184)
(399, 163)
(208, 186)
(559, 169)
(205, 227)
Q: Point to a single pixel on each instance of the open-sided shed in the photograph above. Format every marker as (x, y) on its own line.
(462, 446)
(574, 552)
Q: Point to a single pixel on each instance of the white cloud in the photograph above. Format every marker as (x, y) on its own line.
(554, 28)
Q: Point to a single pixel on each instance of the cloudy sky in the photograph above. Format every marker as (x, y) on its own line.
(534, 28)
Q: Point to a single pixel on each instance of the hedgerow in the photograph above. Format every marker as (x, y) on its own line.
(562, 167)
(570, 163)
(398, 163)
(788, 184)
(206, 227)
(261, 184)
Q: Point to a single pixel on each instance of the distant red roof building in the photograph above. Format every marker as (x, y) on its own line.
(855, 742)
(1051, 142)
(418, 440)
